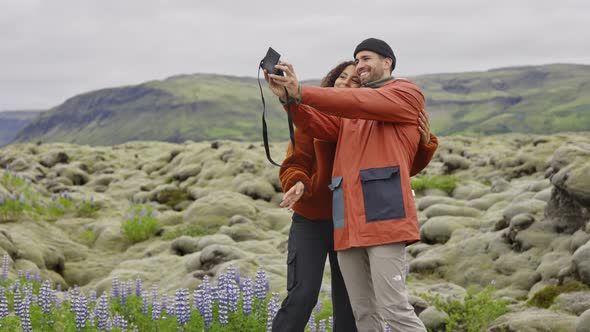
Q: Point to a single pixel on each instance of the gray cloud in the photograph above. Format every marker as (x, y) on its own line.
(52, 50)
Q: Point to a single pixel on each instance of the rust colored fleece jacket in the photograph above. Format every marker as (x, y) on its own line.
(311, 163)
(378, 137)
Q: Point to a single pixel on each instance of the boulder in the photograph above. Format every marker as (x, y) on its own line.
(574, 303)
(439, 210)
(584, 322)
(581, 260)
(215, 254)
(534, 320)
(221, 204)
(433, 319)
(53, 158)
(439, 229)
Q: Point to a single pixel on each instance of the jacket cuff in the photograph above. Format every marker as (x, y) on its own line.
(299, 176)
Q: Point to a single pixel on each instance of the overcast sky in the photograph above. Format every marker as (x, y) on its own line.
(51, 50)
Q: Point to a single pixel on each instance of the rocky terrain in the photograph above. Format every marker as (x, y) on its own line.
(518, 219)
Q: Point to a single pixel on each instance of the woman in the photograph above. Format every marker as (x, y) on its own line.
(305, 176)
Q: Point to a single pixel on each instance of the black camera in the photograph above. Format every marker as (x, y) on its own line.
(270, 60)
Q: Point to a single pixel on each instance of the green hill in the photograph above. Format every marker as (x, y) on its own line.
(535, 99)
(11, 122)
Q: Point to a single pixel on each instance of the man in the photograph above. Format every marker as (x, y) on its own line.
(373, 209)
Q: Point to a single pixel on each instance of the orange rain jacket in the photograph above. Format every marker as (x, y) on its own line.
(312, 161)
(377, 137)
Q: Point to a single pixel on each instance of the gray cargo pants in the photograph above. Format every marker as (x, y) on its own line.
(375, 279)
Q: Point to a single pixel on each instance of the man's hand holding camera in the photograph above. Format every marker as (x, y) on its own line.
(280, 85)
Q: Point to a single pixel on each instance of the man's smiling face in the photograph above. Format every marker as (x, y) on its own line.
(371, 66)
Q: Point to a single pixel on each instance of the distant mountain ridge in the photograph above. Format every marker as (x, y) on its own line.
(11, 122)
(529, 99)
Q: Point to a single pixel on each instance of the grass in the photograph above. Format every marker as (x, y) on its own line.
(141, 223)
(474, 313)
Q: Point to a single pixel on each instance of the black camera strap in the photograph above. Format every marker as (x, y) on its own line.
(264, 128)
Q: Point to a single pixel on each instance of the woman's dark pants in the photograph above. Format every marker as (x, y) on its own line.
(310, 242)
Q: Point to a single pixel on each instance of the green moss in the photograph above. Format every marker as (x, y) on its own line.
(189, 230)
(173, 197)
(443, 182)
(545, 297)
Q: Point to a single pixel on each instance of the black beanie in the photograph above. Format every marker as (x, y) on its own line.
(378, 46)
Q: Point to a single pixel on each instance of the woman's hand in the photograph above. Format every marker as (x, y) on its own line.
(293, 195)
(424, 127)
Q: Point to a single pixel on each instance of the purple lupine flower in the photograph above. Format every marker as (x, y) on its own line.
(81, 309)
(123, 294)
(92, 296)
(319, 306)
(273, 307)
(214, 291)
(233, 295)
(38, 276)
(115, 288)
(311, 324)
(138, 291)
(154, 294)
(198, 300)
(55, 299)
(331, 322)
(183, 312)
(25, 317)
(5, 267)
(18, 303)
(248, 296)
(232, 273)
(28, 291)
(120, 322)
(164, 304)
(156, 311)
(3, 303)
(20, 274)
(207, 306)
(16, 286)
(260, 288)
(322, 325)
(102, 312)
(45, 297)
(387, 328)
(145, 304)
(130, 287)
(223, 310)
(170, 307)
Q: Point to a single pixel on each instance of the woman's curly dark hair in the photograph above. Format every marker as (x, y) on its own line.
(329, 80)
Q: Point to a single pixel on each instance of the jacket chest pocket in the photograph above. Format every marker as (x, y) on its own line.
(382, 193)
(337, 202)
